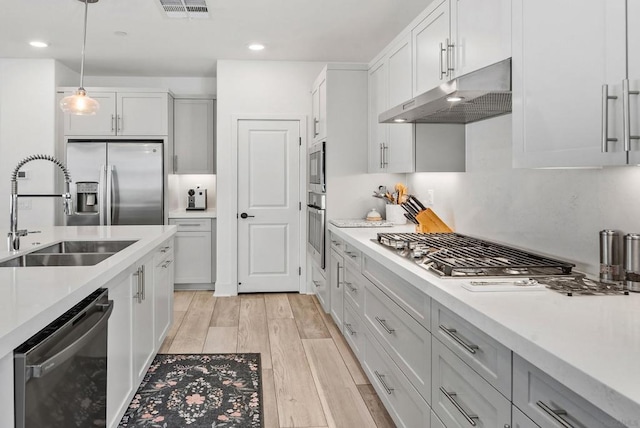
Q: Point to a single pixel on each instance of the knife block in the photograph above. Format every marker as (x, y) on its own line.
(429, 222)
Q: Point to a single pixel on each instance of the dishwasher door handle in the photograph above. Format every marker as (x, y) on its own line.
(42, 369)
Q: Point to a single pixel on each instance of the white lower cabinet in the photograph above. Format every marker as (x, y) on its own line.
(435, 421)
(550, 404)
(120, 382)
(144, 343)
(320, 287)
(354, 285)
(6, 391)
(405, 405)
(354, 330)
(336, 281)
(194, 251)
(163, 262)
(460, 397)
(405, 340)
(520, 420)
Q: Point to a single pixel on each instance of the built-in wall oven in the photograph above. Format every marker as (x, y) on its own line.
(60, 373)
(316, 168)
(315, 227)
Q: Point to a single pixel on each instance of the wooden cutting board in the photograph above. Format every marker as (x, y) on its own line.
(431, 223)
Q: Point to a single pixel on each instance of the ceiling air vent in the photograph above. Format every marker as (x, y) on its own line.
(180, 9)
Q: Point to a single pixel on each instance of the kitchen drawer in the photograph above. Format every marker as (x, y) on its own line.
(405, 406)
(408, 297)
(541, 398)
(520, 420)
(353, 256)
(320, 287)
(407, 342)
(354, 284)
(470, 398)
(163, 252)
(353, 330)
(192, 224)
(485, 355)
(336, 243)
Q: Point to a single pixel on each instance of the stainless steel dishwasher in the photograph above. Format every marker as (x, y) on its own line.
(60, 373)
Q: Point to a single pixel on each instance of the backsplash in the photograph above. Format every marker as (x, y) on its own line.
(179, 184)
(558, 212)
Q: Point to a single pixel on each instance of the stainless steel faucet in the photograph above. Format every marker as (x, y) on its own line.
(15, 234)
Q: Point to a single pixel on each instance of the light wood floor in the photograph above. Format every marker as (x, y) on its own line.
(310, 376)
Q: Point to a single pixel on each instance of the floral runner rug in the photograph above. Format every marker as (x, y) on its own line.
(198, 390)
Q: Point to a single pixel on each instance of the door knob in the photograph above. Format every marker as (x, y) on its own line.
(245, 215)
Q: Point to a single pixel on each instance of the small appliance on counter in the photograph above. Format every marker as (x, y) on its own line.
(197, 200)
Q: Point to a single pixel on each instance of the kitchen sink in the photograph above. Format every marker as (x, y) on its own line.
(69, 253)
(56, 259)
(66, 247)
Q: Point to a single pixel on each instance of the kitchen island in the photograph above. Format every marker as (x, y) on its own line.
(32, 297)
(589, 344)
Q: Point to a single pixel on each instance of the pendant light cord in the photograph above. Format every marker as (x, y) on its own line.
(84, 43)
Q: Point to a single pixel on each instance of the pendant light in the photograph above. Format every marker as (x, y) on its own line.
(79, 103)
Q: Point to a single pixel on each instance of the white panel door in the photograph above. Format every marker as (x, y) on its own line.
(268, 210)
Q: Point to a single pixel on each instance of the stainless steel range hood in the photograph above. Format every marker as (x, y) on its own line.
(483, 94)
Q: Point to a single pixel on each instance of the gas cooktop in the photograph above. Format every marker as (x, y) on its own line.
(452, 255)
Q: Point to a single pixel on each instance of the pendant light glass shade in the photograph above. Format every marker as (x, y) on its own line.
(79, 103)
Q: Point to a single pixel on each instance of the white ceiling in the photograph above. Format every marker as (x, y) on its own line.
(292, 30)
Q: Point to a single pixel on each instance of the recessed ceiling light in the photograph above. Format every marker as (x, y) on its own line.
(256, 46)
(38, 44)
(399, 120)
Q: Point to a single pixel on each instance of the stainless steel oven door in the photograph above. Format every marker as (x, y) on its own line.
(315, 234)
(316, 168)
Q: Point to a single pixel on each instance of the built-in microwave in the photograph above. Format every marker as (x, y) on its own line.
(316, 168)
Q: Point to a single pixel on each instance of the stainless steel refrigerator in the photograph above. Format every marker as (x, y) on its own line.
(116, 182)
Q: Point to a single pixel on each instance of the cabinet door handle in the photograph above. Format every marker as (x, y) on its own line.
(113, 122)
(347, 326)
(450, 396)
(189, 225)
(384, 325)
(605, 118)
(381, 156)
(442, 72)
(175, 163)
(450, 47)
(385, 155)
(164, 249)
(626, 115)
(384, 384)
(338, 275)
(452, 333)
(336, 243)
(167, 263)
(120, 123)
(144, 285)
(138, 295)
(316, 122)
(555, 414)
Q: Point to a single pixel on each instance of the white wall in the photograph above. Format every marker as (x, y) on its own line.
(177, 85)
(27, 126)
(248, 88)
(556, 212)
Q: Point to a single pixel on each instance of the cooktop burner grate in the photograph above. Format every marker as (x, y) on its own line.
(452, 254)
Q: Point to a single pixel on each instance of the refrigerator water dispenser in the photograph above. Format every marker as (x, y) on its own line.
(87, 197)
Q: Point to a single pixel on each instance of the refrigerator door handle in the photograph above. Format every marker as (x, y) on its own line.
(109, 207)
(102, 195)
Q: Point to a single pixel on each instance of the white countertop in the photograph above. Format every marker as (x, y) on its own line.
(32, 297)
(591, 344)
(183, 213)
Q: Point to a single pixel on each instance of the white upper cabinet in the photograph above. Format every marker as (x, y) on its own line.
(319, 107)
(193, 142)
(633, 49)
(431, 50)
(480, 34)
(123, 114)
(390, 145)
(561, 65)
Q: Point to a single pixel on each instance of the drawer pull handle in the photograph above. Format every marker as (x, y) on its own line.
(384, 384)
(164, 249)
(189, 225)
(167, 263)
(384, 325)
(350, 254)
(349, 329)
(351, 287)
(450, 396)
(555, 414)
(451, 332)
(336, 243)
(316, 283)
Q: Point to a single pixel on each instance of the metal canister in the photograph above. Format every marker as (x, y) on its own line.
(632, 261)
(610, 257)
